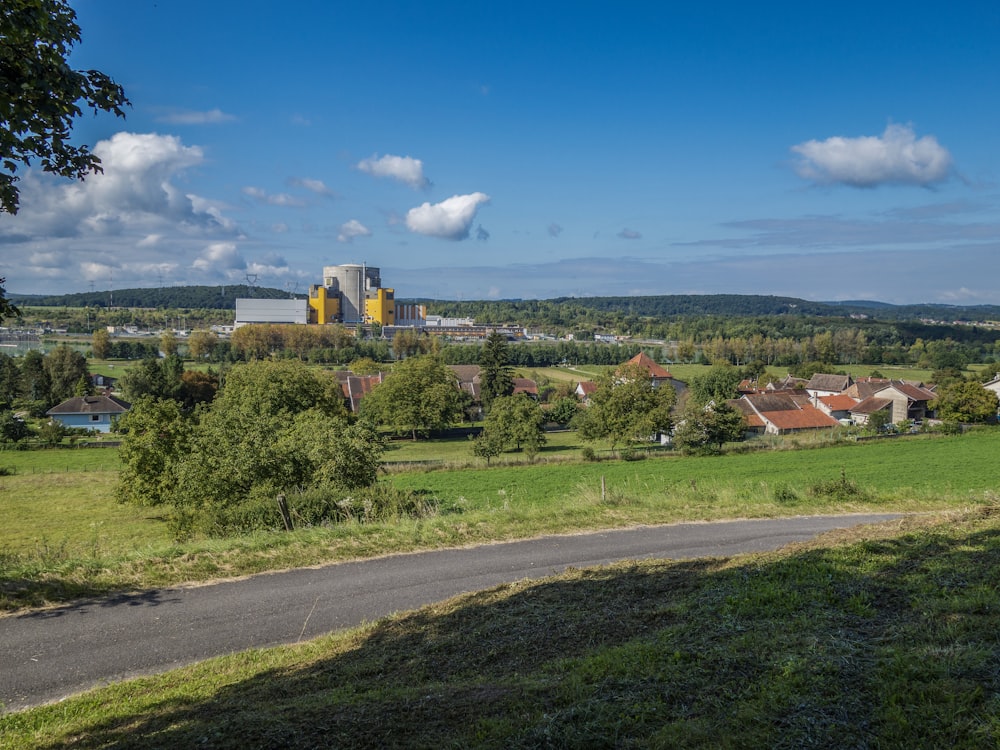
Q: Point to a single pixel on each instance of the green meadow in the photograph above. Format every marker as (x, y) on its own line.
(64, 535)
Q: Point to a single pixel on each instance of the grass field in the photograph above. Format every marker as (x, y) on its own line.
(65, 537)
(884, 637)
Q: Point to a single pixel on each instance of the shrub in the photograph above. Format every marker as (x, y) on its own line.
(950, 427)
(840, 490)
(315, 506)
(588, 454)
(785, 495)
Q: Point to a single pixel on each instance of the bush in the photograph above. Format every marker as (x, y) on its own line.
(839, 490)
(950, 427)
(785, 495)
(315, 506)
(588, 453)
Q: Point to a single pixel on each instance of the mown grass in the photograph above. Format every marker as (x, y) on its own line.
(884, 637)
(64, 536)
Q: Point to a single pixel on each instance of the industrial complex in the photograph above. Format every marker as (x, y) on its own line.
(350, 295)
(353, 295)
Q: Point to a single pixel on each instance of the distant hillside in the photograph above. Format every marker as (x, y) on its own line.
(662, 306)
(174, 297)
(709, 305)
(753, 305)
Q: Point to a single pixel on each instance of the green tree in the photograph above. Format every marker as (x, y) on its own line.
(64, 367)
(276, 427)
(7, 310)
(101, 343)
(487, 445)
(157, 378)
(719, 384)
(41, 95)
(52, 432)
(565, 410)
(365, 366)
(156, 437)
(12, 429)
(496, 377)
(966, 402)
(168, 343)
(10, 380)
(198, 388)
(878, 421)
(35, 382)
(518, 421)
(627, 407)
(201, 344)
(421, 394)
(704, 429)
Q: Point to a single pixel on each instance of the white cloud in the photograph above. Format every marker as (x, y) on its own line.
(191, 117)
(351, 229)
(895, 157)
(554, 230)
(137, 193)
(220, 258)
(272, 199)
(450, 219)
(630, 234)
(403, 169)
(315, 186)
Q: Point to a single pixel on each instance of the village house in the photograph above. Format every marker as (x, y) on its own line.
(781, 413)
(356, 387)
(837, 406)
(89, 412)
(902, 400)
(821, 384)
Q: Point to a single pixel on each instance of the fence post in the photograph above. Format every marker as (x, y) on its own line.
(285, 515)
(603, 488)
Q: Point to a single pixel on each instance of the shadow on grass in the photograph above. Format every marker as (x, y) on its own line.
(889, 643)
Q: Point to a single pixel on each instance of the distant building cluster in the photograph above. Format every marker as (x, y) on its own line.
(353, 295)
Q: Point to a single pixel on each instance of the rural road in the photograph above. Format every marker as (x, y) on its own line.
(49, 654)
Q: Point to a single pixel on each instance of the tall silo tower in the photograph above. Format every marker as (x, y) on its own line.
(352, 283)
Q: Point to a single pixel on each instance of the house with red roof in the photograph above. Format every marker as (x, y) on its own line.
(782, 413)
(657, 373)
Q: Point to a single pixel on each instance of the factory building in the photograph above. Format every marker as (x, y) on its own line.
(350, 294)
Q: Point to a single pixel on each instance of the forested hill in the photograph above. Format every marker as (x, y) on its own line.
(755, 305)
(558, 309)
(221, 297)
(704, 305)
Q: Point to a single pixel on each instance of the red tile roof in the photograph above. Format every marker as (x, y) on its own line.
(646, 362)
(840, 402)
(804, 418)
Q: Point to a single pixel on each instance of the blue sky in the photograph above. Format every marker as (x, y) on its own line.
(473, 151)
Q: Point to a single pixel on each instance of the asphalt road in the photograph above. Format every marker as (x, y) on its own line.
(49, 654)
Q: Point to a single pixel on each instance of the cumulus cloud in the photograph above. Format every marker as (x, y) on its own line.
(315, 186)
(220, 258)
(190, 117)
(630, 234)
(272, 199)
(138, 192)
(351, 229)
(403, 169)
(450, 219)
(895, 157)
(482, 234)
